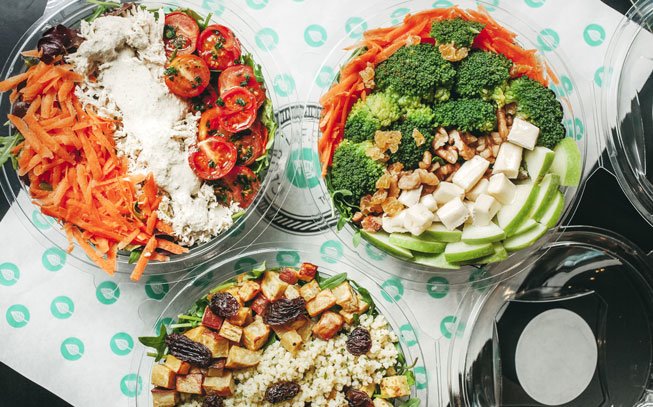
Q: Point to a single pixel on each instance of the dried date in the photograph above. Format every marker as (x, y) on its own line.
(359, 341)
(184, 348)
(284, 311)
(224, 305)
(281, 391)
(358, 398)
(212, 400)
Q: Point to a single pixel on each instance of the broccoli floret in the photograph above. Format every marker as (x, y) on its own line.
(421, 116)
(409, 153)
(473, 115)
(538, 105)
(384, 107)
(483, 74)
(361, 123)
(354, 171)
(459, 32)
(415, 70)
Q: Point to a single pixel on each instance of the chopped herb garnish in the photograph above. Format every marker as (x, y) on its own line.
(171, 71)
(212, 164)
(241, 102)
(219, 102)
(169, 32)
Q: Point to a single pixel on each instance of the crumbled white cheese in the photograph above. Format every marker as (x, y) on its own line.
(127, 56)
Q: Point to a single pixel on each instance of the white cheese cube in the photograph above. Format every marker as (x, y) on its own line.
(418, 219)
(410, 197)
(485, 208)
(470, 172)
(446, 191)
(480, 188)
(523, 133)
(429, 202)
(501, 188)
(508, 160)
(470, 209)
(453, 214)
(394, 224)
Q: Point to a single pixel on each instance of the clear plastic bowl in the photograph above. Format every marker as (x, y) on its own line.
(413, 274)
(245, 28)
(200, 280)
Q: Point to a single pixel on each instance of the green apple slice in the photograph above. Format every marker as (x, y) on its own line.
(440, 233)
(511, 216)
(567, 162)
(524, 240)
(437, 261)
(500, 254)
(538, 161)
(461, 251)
(548, 188)
(475, 234)
(526, 226)
(382, 241)
(553, 213)
(416, 243)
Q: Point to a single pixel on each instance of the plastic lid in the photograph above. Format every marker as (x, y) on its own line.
(626, 103)
(573, 329)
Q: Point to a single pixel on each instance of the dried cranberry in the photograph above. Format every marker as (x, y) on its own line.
(281, 391)
(212, 400)
(182, 347)
(20, 108)
(359, 341)
(224, 305)
(284, 311)
(358, 398)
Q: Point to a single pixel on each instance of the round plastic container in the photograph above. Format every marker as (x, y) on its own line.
(574, 328)
(413, 274)
(625, 112)
(245, 28)
(184, 294)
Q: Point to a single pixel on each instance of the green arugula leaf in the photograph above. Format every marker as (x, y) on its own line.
(333, 281)
(202, 22)
(365, 295)
(156, 342)
(256, 68)
(410, 403)
(134, 256)
(227, 284)
(102, 7)
(271, 339)
(410, 377)
(6, 144)
(256, 272)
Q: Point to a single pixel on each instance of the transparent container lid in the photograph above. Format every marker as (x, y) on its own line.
(626, 106)
(573, 329)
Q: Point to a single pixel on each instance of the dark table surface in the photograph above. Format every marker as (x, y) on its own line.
(602, 196)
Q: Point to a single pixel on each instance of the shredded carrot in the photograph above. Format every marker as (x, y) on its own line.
(143, 259)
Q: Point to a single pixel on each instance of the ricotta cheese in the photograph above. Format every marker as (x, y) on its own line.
(127, 57)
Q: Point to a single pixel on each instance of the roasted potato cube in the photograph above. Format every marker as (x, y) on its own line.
(309, 290)
(249, 290)
(362, 305)
(377, 402)
(328, 325)
(256, 334)
(347, 316)
(369, 388)
(290, 340)
(176, 365)
(210, 320)
(231, 331)
(234, 291)
(197, 370)
(292, 292)
(305, 330)
(307, 272)
(346, 297)
(217, 344)
(162, 376)
(241, 316)
(324, 300)
(241, 358)
(223, 386)
(216, 368)
(394, 386)
(164, 397)
(195, 333)
(288, 275)
(190, 383)
(260, 304)
(272, 286)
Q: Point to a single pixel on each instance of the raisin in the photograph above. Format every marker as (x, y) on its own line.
(20, 108)
(224, 305)
(359, 341)
(358, 398)
(212, 400)
(184, 348)
(281, 391)
(284, 311)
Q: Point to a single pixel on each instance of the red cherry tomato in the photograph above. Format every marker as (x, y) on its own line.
(213, 159)
(187, 76)
(237, 100)
(238, 121)
(250, 144)
(241, 76)
(219, 47)
(211, 125)
(180, 34)
(205, 101)
(244, 185)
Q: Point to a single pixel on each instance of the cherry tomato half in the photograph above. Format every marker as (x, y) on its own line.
(213, 159)
(219, 47)
(205, 101)
(187, 76)
(243, 76)
(244, 185)
(180, 34)
(237, 100)
(250, 143)
(234, 122)
(211, 125)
